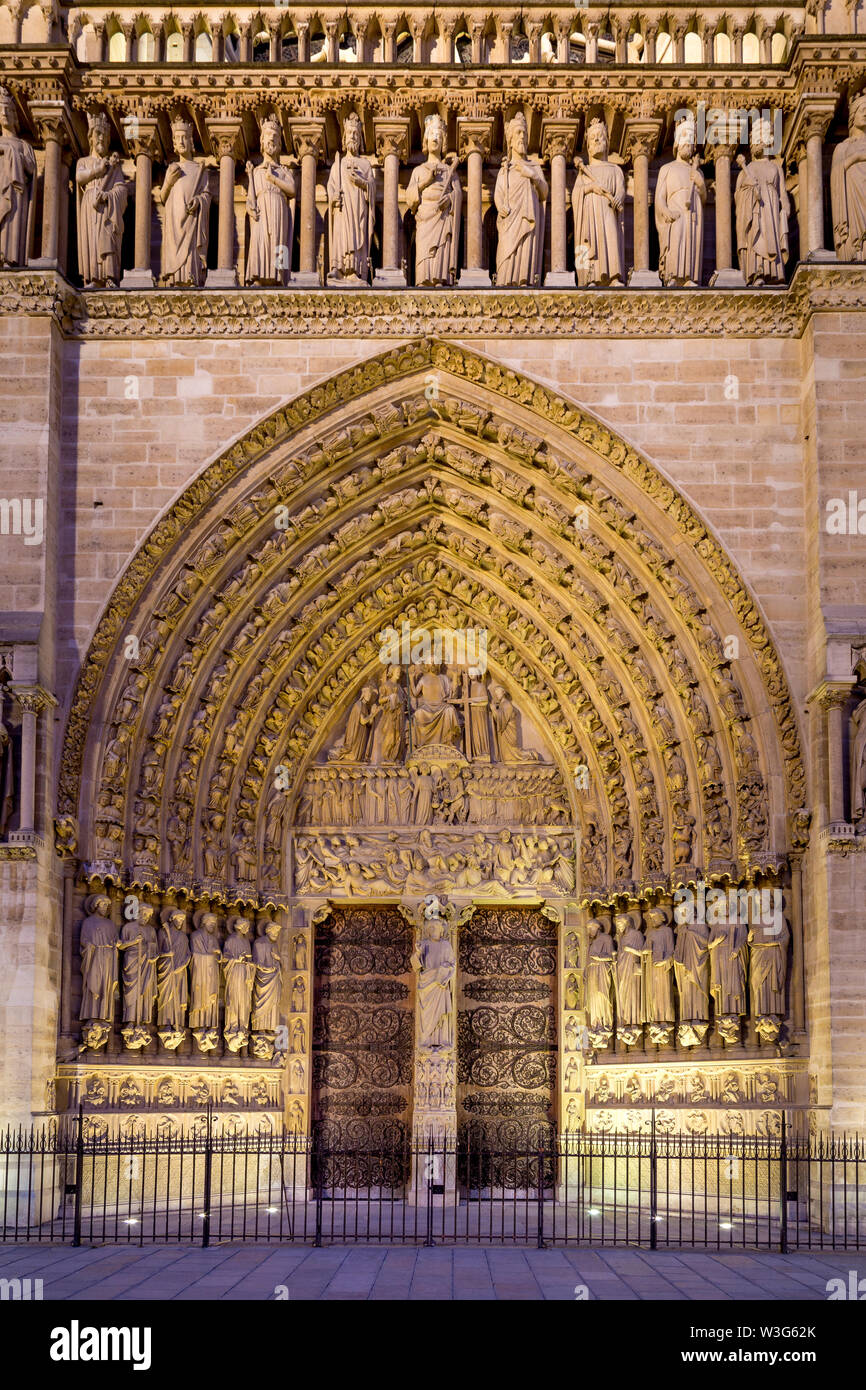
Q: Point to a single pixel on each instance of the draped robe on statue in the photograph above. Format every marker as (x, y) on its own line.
(184, 234)
(728, 967)
(597, 224)
(848, 194)
(599, 969)
(205, 973)
(434, 720)
(769, 964)
(629, 978)
(140, 951)
(681, 242)
(692, 970)
(98, 968)
(520, 225)
(436, 227)
(351, 212)
(172, 982)
(17, 187)
(101, 205)
(270, 251)
(435, 963)
(762, 221)
(660, 980)
(239, 970)
(266, 986)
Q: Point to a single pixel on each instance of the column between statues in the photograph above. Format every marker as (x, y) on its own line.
(225, 136)
(144, 146)
(309, 141)
(474, 142)
(392, 146)
(557, 144)
(725, 275)
(641, 140)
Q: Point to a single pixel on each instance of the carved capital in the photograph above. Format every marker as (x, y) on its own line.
(225, 138)
(642, 138)
(33, 698)
(474, 136)
(308, 137)
(557, 137)
(392, 137)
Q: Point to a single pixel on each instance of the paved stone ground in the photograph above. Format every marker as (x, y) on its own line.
(375, 1272)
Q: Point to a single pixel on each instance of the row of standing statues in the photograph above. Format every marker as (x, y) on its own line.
(434, 197)
(176, 979)
(650, 974)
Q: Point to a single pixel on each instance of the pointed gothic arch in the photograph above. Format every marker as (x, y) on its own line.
(430, 483)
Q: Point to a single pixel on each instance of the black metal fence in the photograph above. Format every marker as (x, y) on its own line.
(57, 1185)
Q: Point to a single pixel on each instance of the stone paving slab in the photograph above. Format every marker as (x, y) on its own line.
(248, 1272)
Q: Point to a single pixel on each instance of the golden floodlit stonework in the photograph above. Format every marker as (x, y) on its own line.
(433, 651)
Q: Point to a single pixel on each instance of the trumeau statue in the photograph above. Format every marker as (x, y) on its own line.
(98, 945)
(679, 211)
(185, 198)
(436, 966)
(351, 208)
(140, 948)
(205, 981)
(270, 191)
(762, 207)
(17, 186)
(848, 185)
(598, 199)
(239, 970)
(435, 197)
(102, 193)
(519, 196)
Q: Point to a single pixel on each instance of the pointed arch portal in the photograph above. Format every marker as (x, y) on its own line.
(432, 629)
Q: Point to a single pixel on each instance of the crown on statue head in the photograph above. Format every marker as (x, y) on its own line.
(179, 123)
(98, 123)
(857, 104)
(762, 133)
(685, 131)
(271, 126)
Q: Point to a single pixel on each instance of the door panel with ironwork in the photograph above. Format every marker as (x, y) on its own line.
(363, 1026)
(506, 1031)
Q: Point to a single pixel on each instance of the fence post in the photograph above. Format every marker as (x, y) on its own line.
(540, 1201)
(783, 1190)
(79, 1176)
(430, 1171)
(317, 1184)
(208, 1163)
(653, 1183)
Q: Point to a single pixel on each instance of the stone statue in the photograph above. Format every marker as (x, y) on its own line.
(102, 191)
(679, 211)
(351, 208)
(140, 948)
(299, 952)
(858, 763)
(598, 978)
(762, 207)
(519, 196)
(506, 737)
(205, 981)
(172, 982)
(270, 191)
(185, 198)
(434, 961)
(267, 990)
(727, 946)
(98, 946)
(355, 745)
(660, 947)
(434, 196)
(391, 727)
(629, 977)
(17, 186)
(7, 770)
(691, 964)
(768, 969)
(598, 199)
(239, 971)
(848, 185)
(434, 719)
